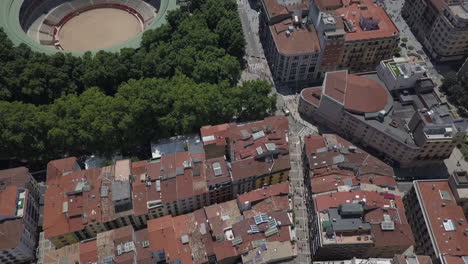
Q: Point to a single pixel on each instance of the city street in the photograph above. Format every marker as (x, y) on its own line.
(296, 181)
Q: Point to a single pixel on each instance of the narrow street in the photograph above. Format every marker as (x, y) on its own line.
(296, 181)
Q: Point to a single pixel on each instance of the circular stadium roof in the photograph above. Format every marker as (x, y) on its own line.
(10, 22)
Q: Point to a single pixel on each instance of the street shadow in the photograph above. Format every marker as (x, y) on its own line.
(431, 171)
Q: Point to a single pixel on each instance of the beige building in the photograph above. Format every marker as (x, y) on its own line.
(411, 127)
(440, 25)
(291, 46)
(303, 39)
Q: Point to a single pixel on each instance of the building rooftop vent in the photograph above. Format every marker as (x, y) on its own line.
(444, 195)
(387, 225)
(271, 231)
(184, 239)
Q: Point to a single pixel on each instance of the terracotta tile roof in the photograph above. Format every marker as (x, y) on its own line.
(240, 229)
(89, 207)
(144, 254)
(215, 134)
(327, 4)
(249, 145)
(271, 204)
(105, 245)
(335, 85)
(67, 254)
(333, 163)
(57, 168)
(448, 242)
(10, 234)
(261, 194)
(8, 201)
(222, 216)
(88, 252)
(300, 41)
(364, 95)
(213, 179)
(164, 234)
(357, 93)
(17, 176)
(201, 228)
(377, 204)
(274, 8)
(353, 11)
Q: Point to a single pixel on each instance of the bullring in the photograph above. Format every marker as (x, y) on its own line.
(51, 26)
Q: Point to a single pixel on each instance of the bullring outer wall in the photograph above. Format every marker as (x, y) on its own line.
(13, 26)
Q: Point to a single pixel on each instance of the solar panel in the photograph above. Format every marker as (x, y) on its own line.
(237, 241)
(264, 218)
(254, 229)
(272, 223)
(258, 135)
(271, 231)
(258, 219)
(465, 259)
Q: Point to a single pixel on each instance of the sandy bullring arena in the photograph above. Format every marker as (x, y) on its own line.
(98, 28)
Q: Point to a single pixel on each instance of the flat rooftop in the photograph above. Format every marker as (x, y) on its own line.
(294, 42)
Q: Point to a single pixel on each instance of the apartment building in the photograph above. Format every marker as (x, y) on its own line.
(121, 245)
(438, 223)
(19, 214)
(397, 259)
(291, 45)
(332, 163)
(440, 25)
(81, 203)
(354, 34)
(257, 152)
(259, 230)
(303, 39)
(407, 126)
(358, 224)
(225, 233)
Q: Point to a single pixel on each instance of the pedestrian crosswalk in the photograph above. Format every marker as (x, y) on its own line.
(305, 131)
(256, 67)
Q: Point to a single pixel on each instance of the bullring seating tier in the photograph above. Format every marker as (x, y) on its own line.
(41, 19)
